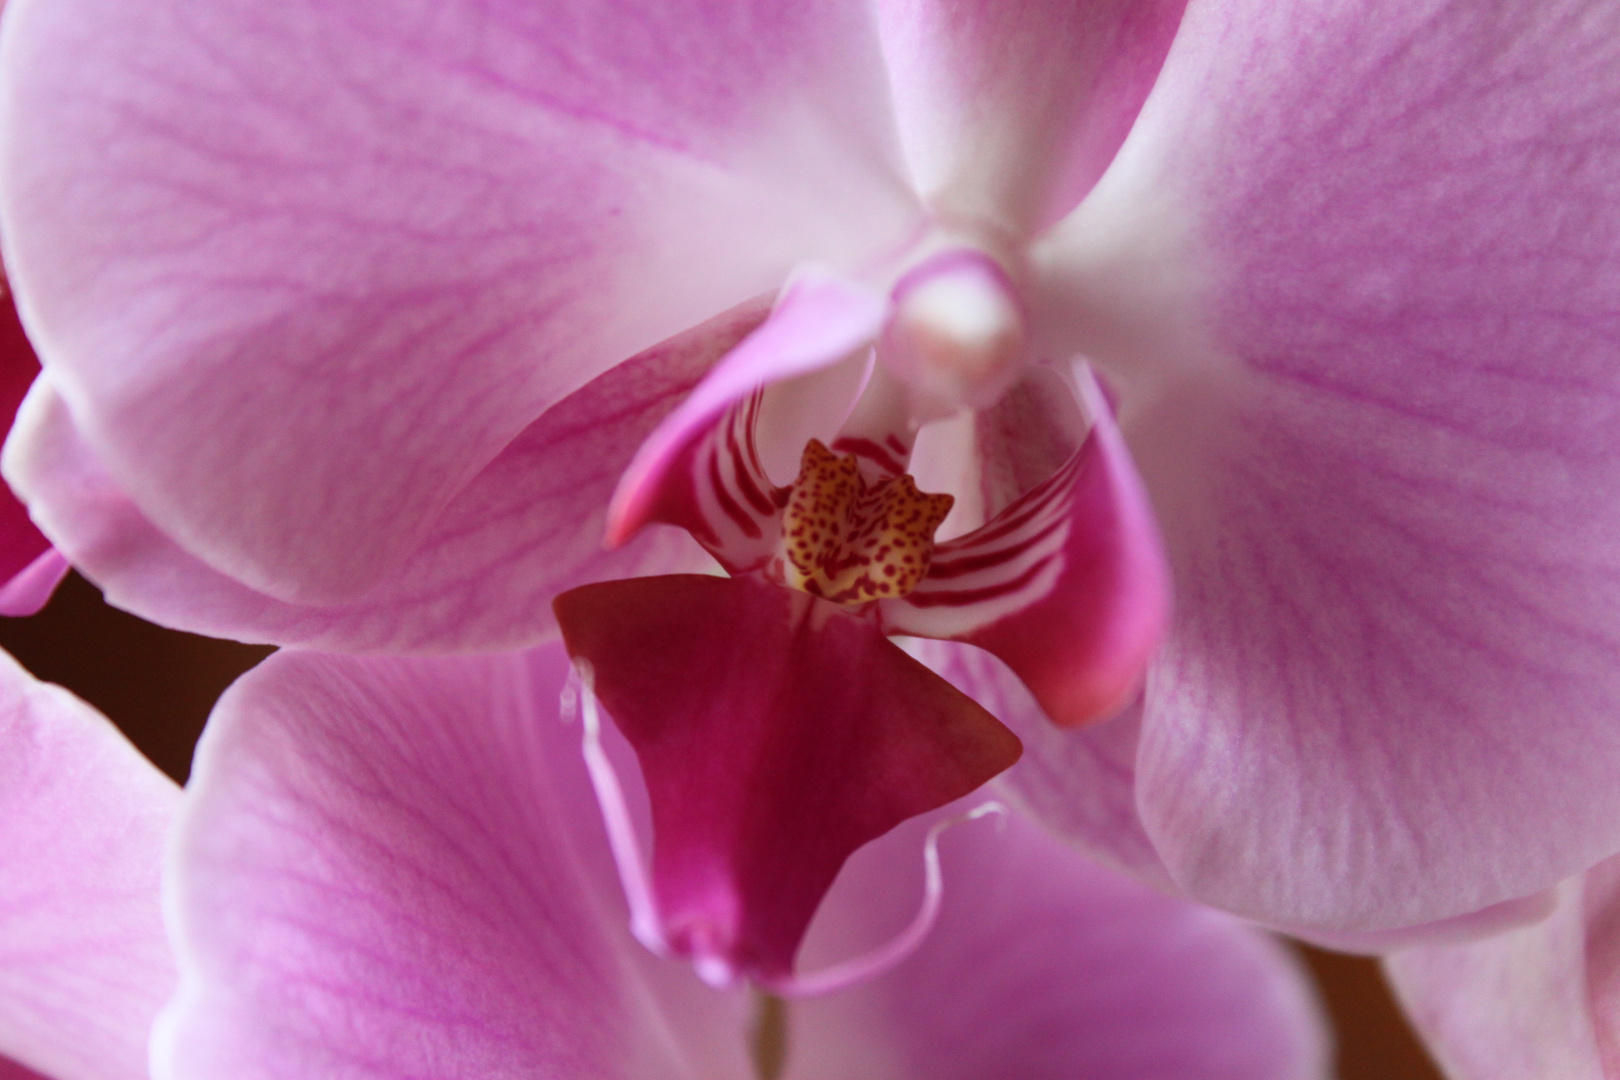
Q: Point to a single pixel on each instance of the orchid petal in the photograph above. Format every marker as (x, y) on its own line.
(1010, 112)
(528, 526)
(1067, 585)
(335, 259)
(10, 1070)
(1044, 966)
(83, 961)
(1362, 334)
(21, 544)
(395, 868)
(702, 469)
(776, 735)
(1508, 915)
(1524, 1003)
(31, 587)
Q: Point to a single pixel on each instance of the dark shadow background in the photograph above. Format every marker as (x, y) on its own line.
(158, 686)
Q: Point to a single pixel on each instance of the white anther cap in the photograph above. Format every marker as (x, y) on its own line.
(956, 337)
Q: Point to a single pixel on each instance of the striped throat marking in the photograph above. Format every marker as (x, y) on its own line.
(852, 542)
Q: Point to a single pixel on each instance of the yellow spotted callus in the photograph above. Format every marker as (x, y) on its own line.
(851, 542)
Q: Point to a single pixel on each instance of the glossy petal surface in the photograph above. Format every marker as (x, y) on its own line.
(777, 734)
(1012, 111)
(1361, 263)
(83, 819)
(340, 258)
(528, 526)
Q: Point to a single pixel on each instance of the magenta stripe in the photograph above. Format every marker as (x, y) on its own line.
(1016, 515)
(1009, 521)
(745, 480)
(749, 527)
(755, 402)
(965, 598)
(870, 450)
(967, 564)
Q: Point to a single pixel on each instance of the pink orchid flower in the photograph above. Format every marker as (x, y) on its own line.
(354, 319)
(388, 869)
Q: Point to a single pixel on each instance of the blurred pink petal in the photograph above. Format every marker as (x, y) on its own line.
(1354, 282)
(345, 291)
(777, 734)
(31, 587)
(83, 817)
(1046, 967)
(396, 867)
(1543, 1000)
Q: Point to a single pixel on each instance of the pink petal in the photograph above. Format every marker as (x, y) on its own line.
(31, 587)
(10, 1070)
(1496, 919)
(776, 735)
(1043, 966)
(1356, 282)
(83, 818)
(392, 868)
(1010, 112)
(527, 527)
(1600, 900)
(340, 258)
(21, 544)
(1536, 1001)
(1067, 585)
(701, 470)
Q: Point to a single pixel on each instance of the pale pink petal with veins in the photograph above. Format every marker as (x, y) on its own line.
(84, 965)
(1358, 267)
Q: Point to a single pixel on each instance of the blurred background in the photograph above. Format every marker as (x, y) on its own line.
(158, 685)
